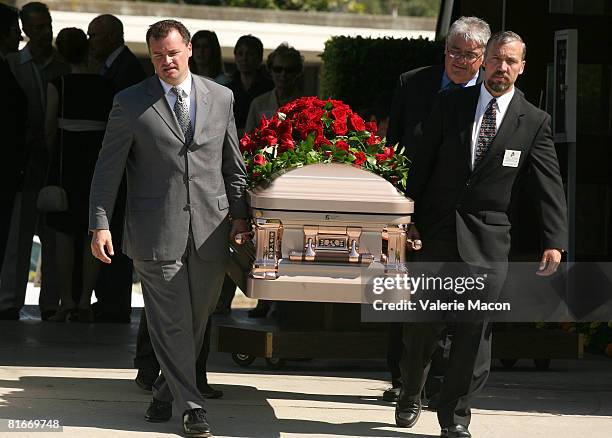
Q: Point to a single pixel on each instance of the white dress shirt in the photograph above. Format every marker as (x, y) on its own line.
(501, 105)
(186, 88)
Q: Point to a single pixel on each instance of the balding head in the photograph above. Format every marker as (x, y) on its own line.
(105, 36)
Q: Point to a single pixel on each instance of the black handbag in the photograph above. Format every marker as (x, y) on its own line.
(53, 198)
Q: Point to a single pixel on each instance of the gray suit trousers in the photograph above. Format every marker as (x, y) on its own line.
(179, 296)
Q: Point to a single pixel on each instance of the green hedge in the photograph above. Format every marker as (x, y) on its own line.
(363, 72)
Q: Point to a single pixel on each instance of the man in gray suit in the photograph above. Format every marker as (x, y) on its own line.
(174, 134)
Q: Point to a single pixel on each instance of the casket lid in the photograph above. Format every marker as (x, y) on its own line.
(331, 187)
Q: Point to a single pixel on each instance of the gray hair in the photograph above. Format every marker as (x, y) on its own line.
(470, 29)
(505, 37)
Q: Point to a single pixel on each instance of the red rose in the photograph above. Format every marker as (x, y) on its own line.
(256, 175)
(386, 155)
(390, 152)
(286, 143)
(269, 137)
(360, 158)
(371, 127)
(259, 160)
(357, 122)
(372, 139)
(339, 126)
(246, 144)
(320, 141)
(342, 145)
(285, 128)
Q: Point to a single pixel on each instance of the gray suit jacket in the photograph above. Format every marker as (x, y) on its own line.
(170, 187)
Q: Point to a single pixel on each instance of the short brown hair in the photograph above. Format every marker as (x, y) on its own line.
(505, 37)
(161, 29)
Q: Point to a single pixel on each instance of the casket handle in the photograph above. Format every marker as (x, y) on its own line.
(415, 244)
(244, 237)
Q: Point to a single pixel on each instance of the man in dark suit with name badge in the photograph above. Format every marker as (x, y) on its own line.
(412, 102)
(475, 144)
(174, 135)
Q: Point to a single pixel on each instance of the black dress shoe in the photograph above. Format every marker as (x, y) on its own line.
(407, 413)
(391, 394)
(195, 424)
(208, 391)
(158, 411)
(455, 431)
(146, 378)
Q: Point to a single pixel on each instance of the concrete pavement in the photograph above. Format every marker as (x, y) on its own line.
(81, 374)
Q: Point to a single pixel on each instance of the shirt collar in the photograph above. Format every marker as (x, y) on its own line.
(114, 54)
(446, 80)
(502, 101)
(25, 55)
(185, 86)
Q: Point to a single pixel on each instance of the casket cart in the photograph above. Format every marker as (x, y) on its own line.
(320, 232)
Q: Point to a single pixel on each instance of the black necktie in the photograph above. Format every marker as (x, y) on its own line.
(486, 134)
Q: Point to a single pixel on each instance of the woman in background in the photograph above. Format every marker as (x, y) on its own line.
(78, 105)
(206, 59)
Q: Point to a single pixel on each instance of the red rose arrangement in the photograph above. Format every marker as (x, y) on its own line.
(309, 130)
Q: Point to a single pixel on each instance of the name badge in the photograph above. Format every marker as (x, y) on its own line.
(511, 158)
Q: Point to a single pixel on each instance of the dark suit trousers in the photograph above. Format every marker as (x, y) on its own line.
(114, 285)
(439, 359)
(145, 356)
(469, 357)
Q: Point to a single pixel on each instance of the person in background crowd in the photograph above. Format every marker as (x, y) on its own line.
(33, 66)
(109, 54)
(116, 62)
(412, 102)
(250, 79)
(477, 142)
(285, 64)
(206, 59)
(76, 128)
(13, 120)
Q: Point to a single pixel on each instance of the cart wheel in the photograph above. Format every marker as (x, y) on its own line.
(542, 364)
(275, 363)
(243, 359)
(508, 363)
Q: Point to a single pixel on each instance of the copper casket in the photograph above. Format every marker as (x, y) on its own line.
(320, 232)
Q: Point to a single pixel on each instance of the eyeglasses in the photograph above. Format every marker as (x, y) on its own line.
(469, 57)
(289, 70)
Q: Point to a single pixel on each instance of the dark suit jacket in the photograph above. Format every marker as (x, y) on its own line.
(125, 70)
(454, 202)
(413, 99)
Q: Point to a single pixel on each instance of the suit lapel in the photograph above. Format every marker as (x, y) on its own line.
(202, 99)
(507, 129)
(160, 105)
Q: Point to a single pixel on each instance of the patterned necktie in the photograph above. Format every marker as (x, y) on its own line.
(486, 134)
(181, 110)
